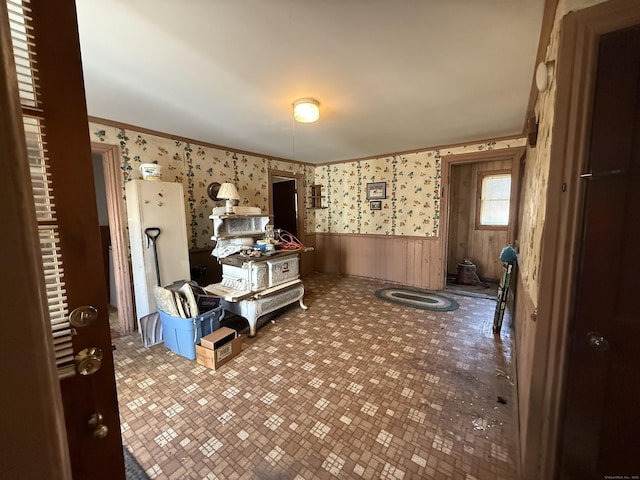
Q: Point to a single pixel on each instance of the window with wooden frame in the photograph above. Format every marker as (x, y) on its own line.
(493, 197)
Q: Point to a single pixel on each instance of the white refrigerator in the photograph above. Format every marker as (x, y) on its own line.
(157, 225)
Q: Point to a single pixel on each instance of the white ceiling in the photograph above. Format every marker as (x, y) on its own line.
(390, 75)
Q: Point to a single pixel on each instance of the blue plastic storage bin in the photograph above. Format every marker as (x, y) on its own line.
(182, 334)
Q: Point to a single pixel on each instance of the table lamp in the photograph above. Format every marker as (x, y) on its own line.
(229, 193)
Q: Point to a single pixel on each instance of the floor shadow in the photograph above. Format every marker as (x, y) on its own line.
(487, 290)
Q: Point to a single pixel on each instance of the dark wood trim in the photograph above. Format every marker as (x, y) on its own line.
(517, 178)
(485, 155)
(202, 143)
(126, 126)
(435, 148)
(497, 228)
(373, 235)
(576, 68)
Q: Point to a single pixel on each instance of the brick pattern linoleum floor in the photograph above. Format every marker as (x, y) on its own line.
(354, 387)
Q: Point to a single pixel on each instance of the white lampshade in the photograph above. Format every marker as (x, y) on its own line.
(306, 110)
(229, 193)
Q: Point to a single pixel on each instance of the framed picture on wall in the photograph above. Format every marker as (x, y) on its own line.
(376, 204)
(376, 190)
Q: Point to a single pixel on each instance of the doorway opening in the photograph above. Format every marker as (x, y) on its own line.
(113, 228)
(479, 210)
(285, 203)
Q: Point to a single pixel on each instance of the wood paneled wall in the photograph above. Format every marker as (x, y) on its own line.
(482, 247)
(525, 332)
(414, 261)
(308, 258)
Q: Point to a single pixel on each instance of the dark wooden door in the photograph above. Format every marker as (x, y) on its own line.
(58, 136)
(601, 431)
(284, 206)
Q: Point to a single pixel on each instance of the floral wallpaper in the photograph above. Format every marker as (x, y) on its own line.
(411, 206)
(412, 203)
(194, 166)
(536, 174)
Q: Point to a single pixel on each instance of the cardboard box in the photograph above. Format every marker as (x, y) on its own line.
(181, 334)
(218, 348)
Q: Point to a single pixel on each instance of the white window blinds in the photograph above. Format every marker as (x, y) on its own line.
(34, 121)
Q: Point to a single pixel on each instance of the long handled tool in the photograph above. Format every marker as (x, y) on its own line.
(152, 234)
(150, 326)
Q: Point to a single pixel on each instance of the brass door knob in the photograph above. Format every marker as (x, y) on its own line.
(98, 429)
(88, 361)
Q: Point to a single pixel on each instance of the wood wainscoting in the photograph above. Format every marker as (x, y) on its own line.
(308, 258)
(414, 261)
(525, 314)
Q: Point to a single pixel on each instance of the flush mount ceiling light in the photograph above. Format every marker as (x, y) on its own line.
(306, 110)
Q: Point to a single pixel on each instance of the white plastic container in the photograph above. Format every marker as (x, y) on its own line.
(151, 171)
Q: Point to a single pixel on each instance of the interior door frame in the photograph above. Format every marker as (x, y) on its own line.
(514, 154)
(118, 233)
(576, 70)
(299, 179)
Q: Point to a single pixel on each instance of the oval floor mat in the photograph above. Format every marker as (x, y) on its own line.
(422, 299)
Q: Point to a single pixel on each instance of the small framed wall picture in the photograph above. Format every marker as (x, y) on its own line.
(377, 190)
(376, 204)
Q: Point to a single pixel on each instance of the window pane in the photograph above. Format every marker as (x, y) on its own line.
(496, 187)
(495, 213)
(495, 199)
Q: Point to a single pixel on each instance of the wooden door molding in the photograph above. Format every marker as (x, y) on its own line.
(514, 154)
(576, 68)
(118, 230)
